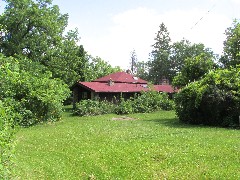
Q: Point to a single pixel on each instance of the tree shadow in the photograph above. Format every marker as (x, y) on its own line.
(175, 123)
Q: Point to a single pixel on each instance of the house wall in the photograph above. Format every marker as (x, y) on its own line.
(80, 93)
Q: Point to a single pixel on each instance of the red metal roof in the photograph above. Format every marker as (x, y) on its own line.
(165, 88)
(121, 77)
(123, 87)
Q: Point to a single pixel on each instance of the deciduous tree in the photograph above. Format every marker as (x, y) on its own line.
(68, 60)
(182, 50)
(31, 28)
(97, 68)
(231, 56)
(193, 69)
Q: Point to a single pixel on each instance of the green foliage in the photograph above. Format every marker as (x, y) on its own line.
(36, 97)
(145, 102)
(213, 100)
(184, 49)
(193, 69)
(31, 28)
(93, 108)
(6, 139)
(159, 62)
(142, 70)
(168, 59)
(231, 56)
(97, 67)
(124, 106)
(152, 101)
(68, 61)
(35, 29)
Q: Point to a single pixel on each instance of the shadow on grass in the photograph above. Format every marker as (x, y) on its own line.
(175, 123)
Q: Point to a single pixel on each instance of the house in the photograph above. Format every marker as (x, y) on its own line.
(114, 86)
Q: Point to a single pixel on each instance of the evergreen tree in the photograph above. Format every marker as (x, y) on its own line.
(159, 64)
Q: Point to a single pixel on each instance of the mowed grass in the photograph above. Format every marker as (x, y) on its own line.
(153, 146)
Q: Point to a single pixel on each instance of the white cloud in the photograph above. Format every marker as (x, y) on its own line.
(133, 29)
(136, 29)
(236, 1)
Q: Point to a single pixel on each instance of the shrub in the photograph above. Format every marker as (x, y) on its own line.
(145, 102)
(152, 101)
(37, 96)
(124, 107)
(93, 108)
(214, 100)
(6, 137)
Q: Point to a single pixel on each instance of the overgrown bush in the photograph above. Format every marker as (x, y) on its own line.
(152, 101)
(93, 108)
(145, 102)
(214, 100)
(6, 137)
(124, 107)
(36, 95)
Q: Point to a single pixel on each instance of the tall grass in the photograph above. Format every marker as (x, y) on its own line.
(153, 146)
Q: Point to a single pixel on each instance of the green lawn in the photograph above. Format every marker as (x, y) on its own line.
(153, 146)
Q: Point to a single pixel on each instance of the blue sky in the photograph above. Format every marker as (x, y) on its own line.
(111, 29)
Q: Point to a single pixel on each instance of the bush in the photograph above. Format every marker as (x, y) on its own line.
(145, 102)
(124, 107)
(36, 95)
(214, 100)
(93, 108)
(152, 101)
(6, 137)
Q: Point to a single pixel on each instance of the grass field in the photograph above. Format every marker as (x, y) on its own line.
(153, 146)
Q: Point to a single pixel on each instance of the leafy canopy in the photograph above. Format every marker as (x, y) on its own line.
(31, 28)
(193, 69)
(231, 56)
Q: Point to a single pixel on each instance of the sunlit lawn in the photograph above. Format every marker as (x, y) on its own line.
(153, 146)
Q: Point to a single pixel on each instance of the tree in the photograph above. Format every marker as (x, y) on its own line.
(231, 56)
(133, 62)
(193, 69)
(159, 64)
(97, 68)
(68, 60)
(167, 59)
(31, 28)
(142, 70)
(182, 50)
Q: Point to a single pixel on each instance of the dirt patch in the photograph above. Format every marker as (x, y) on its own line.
(123, 118)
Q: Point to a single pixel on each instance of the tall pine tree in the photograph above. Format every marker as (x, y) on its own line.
(159, 64)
